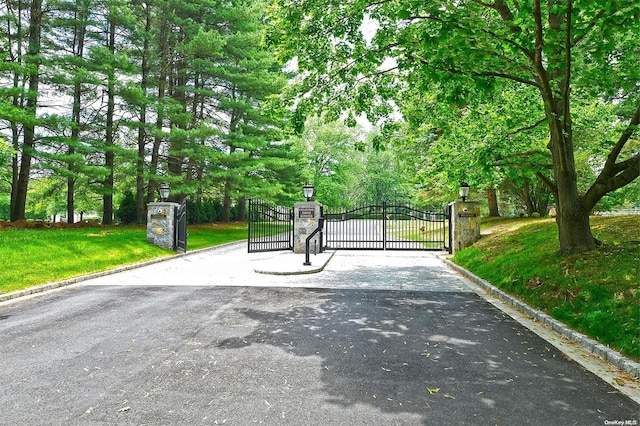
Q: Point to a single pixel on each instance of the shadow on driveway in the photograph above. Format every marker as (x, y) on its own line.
(449, 358)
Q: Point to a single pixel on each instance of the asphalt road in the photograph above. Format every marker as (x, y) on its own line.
(395, 341)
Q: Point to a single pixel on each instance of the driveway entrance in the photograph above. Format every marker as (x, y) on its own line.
(377, 338)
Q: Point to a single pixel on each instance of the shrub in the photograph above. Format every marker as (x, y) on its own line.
(127, 212)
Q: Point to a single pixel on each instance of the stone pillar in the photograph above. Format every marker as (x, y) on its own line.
(465, 225)
(161, 224)
(305, 221)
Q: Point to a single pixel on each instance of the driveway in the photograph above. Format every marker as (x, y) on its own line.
(377, 338)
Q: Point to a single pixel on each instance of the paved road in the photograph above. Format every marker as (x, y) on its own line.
(375, 339)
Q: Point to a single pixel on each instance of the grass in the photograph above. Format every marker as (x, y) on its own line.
(214, 234)
(30, 257)
(596, 293)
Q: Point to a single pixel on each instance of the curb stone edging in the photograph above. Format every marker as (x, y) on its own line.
(58, 284)
(314, 270)
(625, 364)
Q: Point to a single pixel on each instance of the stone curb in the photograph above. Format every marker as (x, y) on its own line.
(296, 272)
(590, 345)
(75, 280)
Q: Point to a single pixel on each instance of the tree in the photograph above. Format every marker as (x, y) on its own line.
(256, 160)
(5, 178)
(334, 162)
(476, 142)
(96, 92)
(561, 48)
(127, 211)
(24, 25)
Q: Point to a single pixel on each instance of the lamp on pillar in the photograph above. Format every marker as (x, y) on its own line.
(464, 191)
(309, 191)
(164, 191)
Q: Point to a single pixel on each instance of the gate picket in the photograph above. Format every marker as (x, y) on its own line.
(270, 227)
(386, 226)
(181, 226)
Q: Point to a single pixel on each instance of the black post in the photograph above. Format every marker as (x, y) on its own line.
(384, 225)
(307, 262)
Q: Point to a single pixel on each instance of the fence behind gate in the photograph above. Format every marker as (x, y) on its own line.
(270, 227)
(386, 226)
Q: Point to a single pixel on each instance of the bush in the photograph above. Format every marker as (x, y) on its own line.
(127, 212)
(4, 211)
(203, 211)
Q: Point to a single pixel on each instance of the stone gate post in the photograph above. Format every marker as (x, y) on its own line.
(306, 215)
(161, 223)
(465, 224)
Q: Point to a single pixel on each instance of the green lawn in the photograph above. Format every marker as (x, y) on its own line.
(596, 293)
(30, 257)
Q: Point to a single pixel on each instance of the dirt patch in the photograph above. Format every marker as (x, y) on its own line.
(41, 224)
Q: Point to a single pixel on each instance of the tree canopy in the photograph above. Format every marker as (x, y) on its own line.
(372, 56)
(114, 95)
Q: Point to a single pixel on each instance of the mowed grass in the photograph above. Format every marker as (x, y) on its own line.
(31, 257)
(596, 293)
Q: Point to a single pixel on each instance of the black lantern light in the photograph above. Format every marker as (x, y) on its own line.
(164, 191)
(309, 191)
(464, 191)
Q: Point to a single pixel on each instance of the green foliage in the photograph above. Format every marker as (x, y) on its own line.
(583, 290)
(181, 92)
(488, 90)
(204, 211)
(46, 198)
(345, 168)
(4, 207)
(127, 212)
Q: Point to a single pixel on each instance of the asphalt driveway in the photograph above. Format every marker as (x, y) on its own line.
(393, 340)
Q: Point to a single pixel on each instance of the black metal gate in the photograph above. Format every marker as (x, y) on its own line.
(270, 227)
(386, 226)
(180, 242)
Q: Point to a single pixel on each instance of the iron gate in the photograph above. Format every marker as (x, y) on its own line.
(386, 226)
(180, 242)
(270, 227)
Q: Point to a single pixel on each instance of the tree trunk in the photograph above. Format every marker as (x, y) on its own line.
(142, 130)
(553, 75)
(71, 184)
(242, 208)
(109, 155)
(157, 140)
(19, 203)
(226, 202)
(163, 72)
(79, 37)
(492, 198)
(574, 229)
